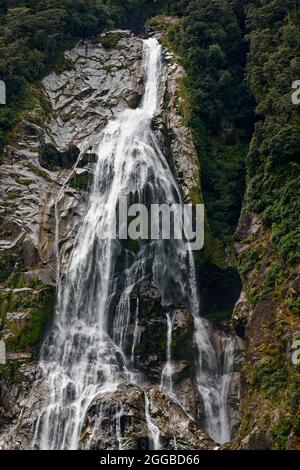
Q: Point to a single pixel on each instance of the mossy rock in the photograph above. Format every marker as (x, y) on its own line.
(110, 40)
(80, 181)
(39, 172)
(8, 260)
(133, 100)
(51, 158)
(31, 334)
(183, 344)
(195, 195)
(87, 159)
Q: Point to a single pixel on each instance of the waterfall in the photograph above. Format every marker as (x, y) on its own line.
(84, 356)
(136, 332)
(154, 432)
(213, 381)
(166, 384)
(118, 428)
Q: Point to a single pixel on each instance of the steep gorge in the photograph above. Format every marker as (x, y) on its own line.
(41, 185)
(102, 83)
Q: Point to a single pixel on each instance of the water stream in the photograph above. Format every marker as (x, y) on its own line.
(84, 355)
(166, 384)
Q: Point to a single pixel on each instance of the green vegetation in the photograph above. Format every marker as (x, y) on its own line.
(32, 333)
(218, 107)
(273, 164)
(109, 41)
(279, 384)
(38, 171)
(51, 158)
(249, 261)
(36, 304)
(212, 39)
(35, 33)
(80, 181)
(241, 57)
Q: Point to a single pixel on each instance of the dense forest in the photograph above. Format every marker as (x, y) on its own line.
(224, 81)
(241, 58)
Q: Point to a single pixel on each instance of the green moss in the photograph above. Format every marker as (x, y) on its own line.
(80, 181)
(66, 117)
(183, 103)
(24, 181)
(10, 371)
(281, 432)
(19, 280)
(32, 333)
(63, 64)
(89, 158)
(294, 306)
(110, 67)
(271, 376)
(36, 101)
(153, 341)
(183, 347)
(133, 101)
(110, 41)
(6, 266)
(274, 276)
(249, 261)
(39, 172)
(195, 195)
(51, 158)
(273, 282)
(13, 195)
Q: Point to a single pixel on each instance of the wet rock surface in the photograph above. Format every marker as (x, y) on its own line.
(117, 420)
(44, 181)
(21, 395)
(268, 407)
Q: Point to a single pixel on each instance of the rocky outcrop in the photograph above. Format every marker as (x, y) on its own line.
(264, 317)
(175, 137)
(21, 395)
(118, 420)
(44, 178)
(37, 168)
(105, 77)
(46, 171)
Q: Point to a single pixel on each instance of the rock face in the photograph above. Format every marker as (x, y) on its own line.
(264, 317)
(175, 138)
(124, 426)
(21, 394)
(39, 184)
(104, 80)
(46, 171)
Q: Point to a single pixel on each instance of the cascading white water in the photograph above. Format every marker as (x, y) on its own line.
(166, 384)
(136, 332)
(213, 380)
(154, 433)
(84, 356)
(118, 428)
